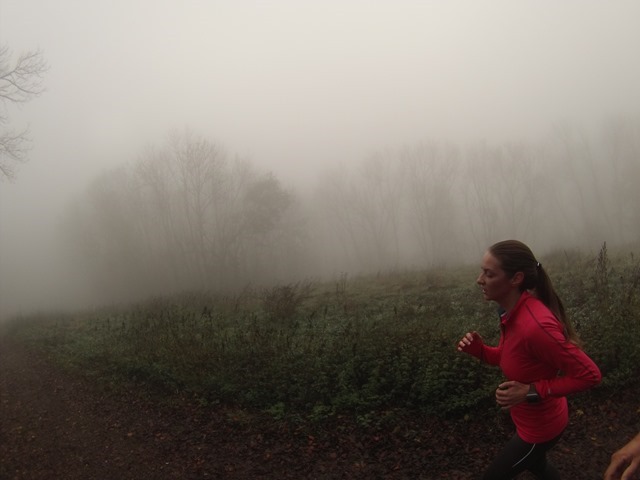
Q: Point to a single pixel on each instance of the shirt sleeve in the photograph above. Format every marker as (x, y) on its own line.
(485, 353)
(491, 355)
(576, 371)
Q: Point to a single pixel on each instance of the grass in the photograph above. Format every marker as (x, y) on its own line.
(353, 346)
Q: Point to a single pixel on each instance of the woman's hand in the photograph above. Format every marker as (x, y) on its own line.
(471, 343)
(511, 393)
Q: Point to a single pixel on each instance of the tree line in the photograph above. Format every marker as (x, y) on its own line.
(187, 215)
(435, 204)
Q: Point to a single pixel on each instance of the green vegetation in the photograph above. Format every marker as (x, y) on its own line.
(356, 346)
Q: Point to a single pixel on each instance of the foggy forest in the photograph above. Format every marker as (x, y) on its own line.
(188, 215)
(216, 146)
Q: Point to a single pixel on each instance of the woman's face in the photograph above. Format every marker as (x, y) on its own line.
(495, 283)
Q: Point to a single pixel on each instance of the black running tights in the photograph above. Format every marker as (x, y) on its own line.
(518, 456)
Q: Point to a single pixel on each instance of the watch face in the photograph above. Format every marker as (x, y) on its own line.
(533, 397)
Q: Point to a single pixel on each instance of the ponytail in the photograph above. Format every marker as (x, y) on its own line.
(546, 293)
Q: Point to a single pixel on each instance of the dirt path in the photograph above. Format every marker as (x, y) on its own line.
(55, 425)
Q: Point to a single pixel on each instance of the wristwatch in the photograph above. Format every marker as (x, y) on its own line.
(532, 395)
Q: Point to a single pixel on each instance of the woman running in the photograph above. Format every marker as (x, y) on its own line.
(538, 353)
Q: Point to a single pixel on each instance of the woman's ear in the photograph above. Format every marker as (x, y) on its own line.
(517, 279)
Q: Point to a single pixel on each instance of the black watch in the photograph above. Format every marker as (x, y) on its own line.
(532, 396)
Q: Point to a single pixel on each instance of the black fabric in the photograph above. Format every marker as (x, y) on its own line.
(518, 456)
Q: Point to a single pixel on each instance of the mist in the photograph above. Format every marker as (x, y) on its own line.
(519, 118)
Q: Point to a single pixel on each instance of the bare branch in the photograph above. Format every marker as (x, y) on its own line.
(19, 82)
(13, 150)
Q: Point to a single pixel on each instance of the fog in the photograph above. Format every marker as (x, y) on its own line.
(307, 89)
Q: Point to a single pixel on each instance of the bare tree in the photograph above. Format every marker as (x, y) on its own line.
(160, 216)
(363, 209)
(518, 193)
(336, 221)
(102, 230)
(199, 168)
(480, 194)
(19, 82)
(271, 233)
(431, 179)
(501, 191)
(377, 198)
(622, 154)
(581, 200)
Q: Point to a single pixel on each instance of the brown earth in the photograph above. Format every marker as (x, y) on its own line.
(60, 425)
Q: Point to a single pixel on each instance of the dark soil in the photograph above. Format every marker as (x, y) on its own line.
(60, 425)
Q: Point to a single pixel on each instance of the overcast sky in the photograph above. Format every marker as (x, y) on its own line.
(292, 85)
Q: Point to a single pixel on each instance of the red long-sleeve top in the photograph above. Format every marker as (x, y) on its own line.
(533, 349)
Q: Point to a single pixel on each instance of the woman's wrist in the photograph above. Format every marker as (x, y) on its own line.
(532, 394)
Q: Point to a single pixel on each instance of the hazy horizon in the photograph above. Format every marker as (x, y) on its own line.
(294, 87)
